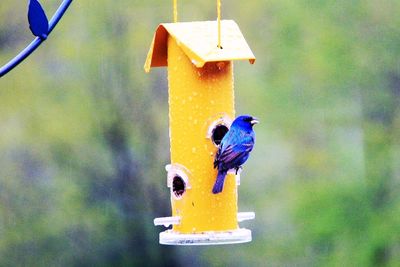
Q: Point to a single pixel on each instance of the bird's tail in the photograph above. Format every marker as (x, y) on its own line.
(219, 183)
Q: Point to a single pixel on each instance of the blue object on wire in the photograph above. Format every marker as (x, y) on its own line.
(38, 22)
(35, 27)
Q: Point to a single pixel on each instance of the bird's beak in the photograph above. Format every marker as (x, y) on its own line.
(254, 121)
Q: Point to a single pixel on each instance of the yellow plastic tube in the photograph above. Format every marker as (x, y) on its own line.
(197, 97)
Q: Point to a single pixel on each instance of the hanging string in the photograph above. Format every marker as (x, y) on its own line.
(218, 19)
(219, 23)
(175, 11)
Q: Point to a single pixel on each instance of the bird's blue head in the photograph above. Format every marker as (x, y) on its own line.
(245, 122)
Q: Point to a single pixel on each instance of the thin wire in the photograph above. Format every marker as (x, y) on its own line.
(219, 22)
(36, 42)
(175, 11)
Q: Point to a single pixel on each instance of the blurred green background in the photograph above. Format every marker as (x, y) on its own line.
(84, 136)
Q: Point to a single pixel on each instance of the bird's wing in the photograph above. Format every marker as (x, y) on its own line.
(232, 153)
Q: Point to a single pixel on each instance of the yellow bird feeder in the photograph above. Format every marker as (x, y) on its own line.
(199, 58)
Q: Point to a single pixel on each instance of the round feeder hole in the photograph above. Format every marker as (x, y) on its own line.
(218, 133)
(178, 186)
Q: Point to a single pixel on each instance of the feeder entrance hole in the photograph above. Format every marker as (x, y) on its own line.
(178, 186)
(218, 133)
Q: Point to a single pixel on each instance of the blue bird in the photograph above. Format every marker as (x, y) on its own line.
(234, 149)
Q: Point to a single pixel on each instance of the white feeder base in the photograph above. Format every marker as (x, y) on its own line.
(171, 237)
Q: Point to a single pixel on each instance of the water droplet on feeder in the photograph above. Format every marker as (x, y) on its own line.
(193, 150)
(190, 98)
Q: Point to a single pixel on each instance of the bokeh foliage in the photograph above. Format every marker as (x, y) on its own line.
(84, 136)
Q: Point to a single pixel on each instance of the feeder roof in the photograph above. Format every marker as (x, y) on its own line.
(199, 40)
